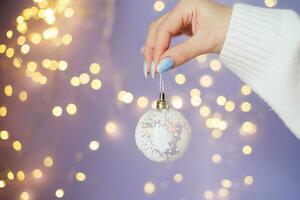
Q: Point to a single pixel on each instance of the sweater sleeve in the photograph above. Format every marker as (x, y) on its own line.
(262, 48)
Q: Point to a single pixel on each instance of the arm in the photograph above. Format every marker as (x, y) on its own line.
(262, 47)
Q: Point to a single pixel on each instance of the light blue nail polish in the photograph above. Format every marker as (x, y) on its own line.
(145, 69)
(152, 69)
(165, 64)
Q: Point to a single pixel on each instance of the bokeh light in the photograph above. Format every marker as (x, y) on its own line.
(95, 68)
(48, 161)
(80, 176)
(176, 102)
(142, 102)
(96, 84)
(180, 79)
(59, 193)
(208, 194)
(24, 196)
(10, 175)
(248, 180)
(94, 145)
(37, 174)
(270, 3)
(57, 111)
(21, 175)
(71, 109)
(206, 81)
(216, 158)
(178, 178)
(17, 146)
(215, 65)
(247, 149)
(4, 135)
(159, 5)
(149, 188)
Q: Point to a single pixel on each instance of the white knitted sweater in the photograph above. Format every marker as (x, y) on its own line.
(262, 48)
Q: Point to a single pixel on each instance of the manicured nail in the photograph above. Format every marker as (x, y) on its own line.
(165, 64)
(152, 69)
(145, 69)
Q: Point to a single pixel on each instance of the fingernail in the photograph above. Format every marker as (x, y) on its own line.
(165, 64)
(145, 69)
(152, 69)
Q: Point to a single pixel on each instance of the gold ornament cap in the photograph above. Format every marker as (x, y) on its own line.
(162, 103)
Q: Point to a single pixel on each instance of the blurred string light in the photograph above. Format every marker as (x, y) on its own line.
(246, 90)
(125, 97)
(248, 180)
(85, 78)
(94, 145)
(80, 176)
(208, 194)
(204, 111)
(159, 6)
(48, 161)
(270, 3)
(9, 34)
(149, 187)
(21, 175)
(247, 149)
(71, 109)
(178, 178)
(229, 106)
(142, 102)
(195, 92)
(10, 175)
(57, 111)
(8, 90)
(223, 192)
(226, 183)
(111, 129)
(2, 183)
(221, 100)
(215, 65)
(206, 81)
(245, 106)
(180, 79)
(23, 95)
(37, 174)
(216, 158)
(196, 100)
(96, 84)
(94, 68)
(24, 196)
(202, 58)
(248, 128)
(59, 193)
(176, 102)
(4, 135)
(17, 146)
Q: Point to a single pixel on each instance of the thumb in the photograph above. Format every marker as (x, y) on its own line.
(181, 53)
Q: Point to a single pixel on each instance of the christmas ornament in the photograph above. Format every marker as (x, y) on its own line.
(163, 133)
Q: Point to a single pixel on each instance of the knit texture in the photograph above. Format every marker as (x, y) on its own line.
(262, 48)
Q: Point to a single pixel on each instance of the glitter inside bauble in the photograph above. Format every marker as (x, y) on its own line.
(163, 134)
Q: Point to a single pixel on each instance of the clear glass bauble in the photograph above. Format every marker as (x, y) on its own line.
(163, 134)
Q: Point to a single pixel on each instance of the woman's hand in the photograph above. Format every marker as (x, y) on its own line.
(205, 21)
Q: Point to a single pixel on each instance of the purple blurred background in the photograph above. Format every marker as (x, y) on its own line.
(111, 33)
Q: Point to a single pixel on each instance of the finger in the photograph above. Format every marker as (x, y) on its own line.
(171, 26)
(149, 44)
(182, 53)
